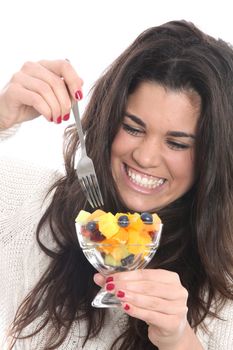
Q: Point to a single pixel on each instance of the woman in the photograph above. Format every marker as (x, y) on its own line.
(159, 130)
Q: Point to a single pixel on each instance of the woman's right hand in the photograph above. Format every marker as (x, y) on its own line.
(40, 88)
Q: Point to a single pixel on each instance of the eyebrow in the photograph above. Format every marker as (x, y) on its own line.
(180, 134)
(137, 120)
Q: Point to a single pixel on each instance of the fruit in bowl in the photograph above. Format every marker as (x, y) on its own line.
(120, 240)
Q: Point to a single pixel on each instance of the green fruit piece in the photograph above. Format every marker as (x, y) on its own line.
(110, 261)
(120, 252)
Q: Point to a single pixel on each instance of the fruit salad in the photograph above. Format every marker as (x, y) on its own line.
(121, 237)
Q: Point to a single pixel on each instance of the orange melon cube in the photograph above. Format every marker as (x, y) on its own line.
(96, 214)
(149, 227)
(145, 237)
(137, 242)
(121, 236)
(107, 245)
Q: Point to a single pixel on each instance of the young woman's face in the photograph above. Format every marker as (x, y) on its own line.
(152, 155)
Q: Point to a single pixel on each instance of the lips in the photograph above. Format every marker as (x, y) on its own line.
(143, 180)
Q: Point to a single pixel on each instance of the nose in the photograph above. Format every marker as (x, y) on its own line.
(148, 154)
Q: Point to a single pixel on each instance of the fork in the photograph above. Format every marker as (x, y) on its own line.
(85, 167)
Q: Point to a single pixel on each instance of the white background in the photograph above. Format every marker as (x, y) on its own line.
(91, 34)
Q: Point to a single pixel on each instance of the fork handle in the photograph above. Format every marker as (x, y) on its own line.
(79, 127)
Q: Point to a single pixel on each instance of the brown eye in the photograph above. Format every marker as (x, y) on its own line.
(177, 145)
(131, 130)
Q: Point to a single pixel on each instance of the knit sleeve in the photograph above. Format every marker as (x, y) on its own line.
(23, 189)
(220, 330)
(22, 181)
(6, 133)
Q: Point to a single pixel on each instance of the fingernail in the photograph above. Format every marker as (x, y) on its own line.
(120, 294)
(66, 116)
(59, 120)
(110, 286)
(126, 307)
(109, 279)
(78, 94)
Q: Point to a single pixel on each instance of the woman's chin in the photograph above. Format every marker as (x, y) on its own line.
(140, 207)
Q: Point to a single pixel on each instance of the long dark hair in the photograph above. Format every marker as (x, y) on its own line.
(198, 232)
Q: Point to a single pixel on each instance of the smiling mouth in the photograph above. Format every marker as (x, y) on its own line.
(143, 180)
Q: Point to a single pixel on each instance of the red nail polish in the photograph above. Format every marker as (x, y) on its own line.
(109, 279)
(78, 94)
(59, 120)
(120, 294)
(126, 307)
(66, 116)
(110, 286)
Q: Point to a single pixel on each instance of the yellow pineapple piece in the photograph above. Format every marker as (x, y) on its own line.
(120, 252)
(156, 218)
(135, 222)
(83, 217)
(108, 225)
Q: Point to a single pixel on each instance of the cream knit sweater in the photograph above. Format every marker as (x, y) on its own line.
(23, 187)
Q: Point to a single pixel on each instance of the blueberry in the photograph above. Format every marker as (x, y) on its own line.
(91, 226)
(147, 218)
(123, 221)
(128, 260)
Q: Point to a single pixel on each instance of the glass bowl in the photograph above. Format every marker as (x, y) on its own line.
(114, 243)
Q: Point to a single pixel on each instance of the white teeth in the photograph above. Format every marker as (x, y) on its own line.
(144, 181)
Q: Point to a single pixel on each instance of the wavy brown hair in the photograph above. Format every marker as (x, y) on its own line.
(198, 231)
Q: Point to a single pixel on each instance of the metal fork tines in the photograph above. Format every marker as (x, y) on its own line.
(85, 167)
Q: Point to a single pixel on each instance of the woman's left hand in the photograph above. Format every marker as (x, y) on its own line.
(156, 297)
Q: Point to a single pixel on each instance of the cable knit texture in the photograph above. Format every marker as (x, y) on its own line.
(6, 133)
(23, 188)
